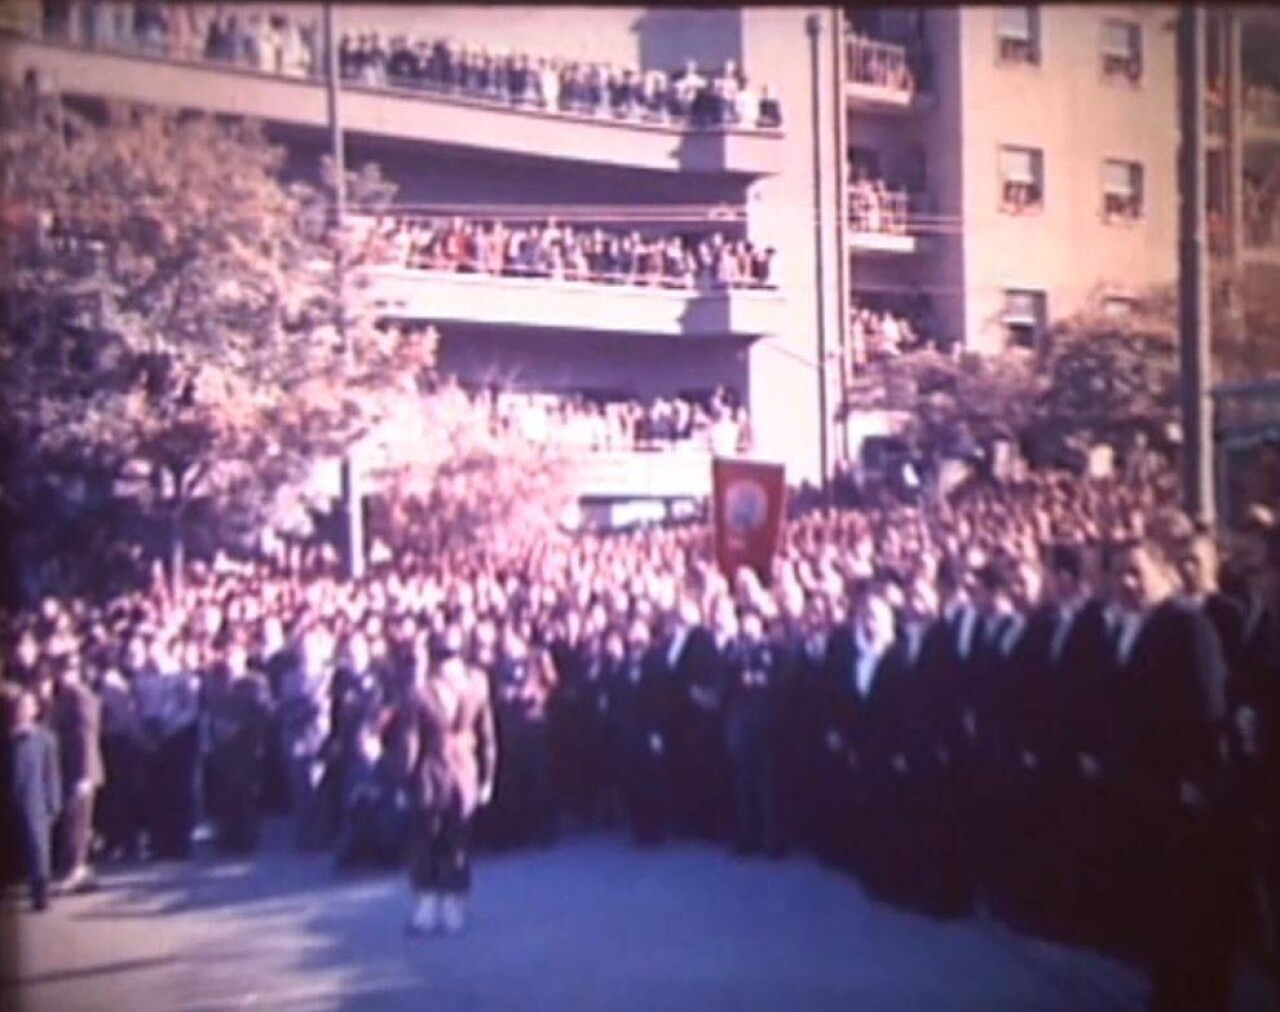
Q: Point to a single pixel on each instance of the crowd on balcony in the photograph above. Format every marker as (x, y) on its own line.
(564, 252)
(689, 95)
(583, 423)
(1261, 200)
(879, 56)
(285, 43)
(1262, 103)
(880, 64)
(877, 207)
(881, 331)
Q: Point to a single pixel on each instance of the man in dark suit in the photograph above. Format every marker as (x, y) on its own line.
(77, 723)
(36, 792)
(752, 698)
(1254, 698)
(1039, 762)
(986, 723)
(1085, 759)
(238, 708)
(638, 707)
(860, 695)
(695, 677)
(1175, 713)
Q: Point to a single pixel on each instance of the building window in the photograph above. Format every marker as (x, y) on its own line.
(1021, 179)
(1121, 51)
(1018, 34)
(1121, 190)
(1024, 317)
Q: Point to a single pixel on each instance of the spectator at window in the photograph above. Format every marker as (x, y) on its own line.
(770, 109)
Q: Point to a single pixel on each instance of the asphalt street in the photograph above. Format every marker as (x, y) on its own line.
(588, 924)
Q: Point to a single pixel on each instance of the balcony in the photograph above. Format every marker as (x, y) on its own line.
(1216, 117)
(429, 118)
(499, 301)
(1260, 113)
(881, 77)
(882, 227)
(674, 474)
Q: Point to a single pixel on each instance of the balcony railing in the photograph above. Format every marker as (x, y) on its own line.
(1261, 107)
(883, 74)
(888, 223)
(454, 120)
(1216, 117)
(545, 304)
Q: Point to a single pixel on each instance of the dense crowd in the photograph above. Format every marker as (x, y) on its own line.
(1044, 699)
(585, 423)
(876, 335)
(283, 43)
(562, 252)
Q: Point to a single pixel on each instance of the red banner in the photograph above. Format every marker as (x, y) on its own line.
(747, 497)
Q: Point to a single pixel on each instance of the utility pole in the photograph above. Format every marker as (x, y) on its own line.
(813, 25)
(840, 111)
(352, 506)
(1193, 277)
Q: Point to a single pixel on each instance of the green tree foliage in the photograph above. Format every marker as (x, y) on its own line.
(170, 315)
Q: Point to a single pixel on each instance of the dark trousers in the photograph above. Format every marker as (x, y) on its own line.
(232, 790)
(119, 807)
(34, 839)
(440, 854)
(75, 831)
(1193, 907)
(701, 777)
(521, 809)
(753, 764)
(170, 791)
(643, 786)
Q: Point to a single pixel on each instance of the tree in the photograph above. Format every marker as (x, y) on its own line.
(171, 316)
(450, 476)
(1108, 369)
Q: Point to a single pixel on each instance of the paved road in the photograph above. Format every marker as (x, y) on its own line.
(589, 924)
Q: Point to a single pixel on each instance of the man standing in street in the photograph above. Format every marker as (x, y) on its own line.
(77, 722)
(36, 792)
(751, 733)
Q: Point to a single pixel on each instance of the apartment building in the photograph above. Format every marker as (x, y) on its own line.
(1242, 119)
(989, 169)
(1037, 146)
(453, 155)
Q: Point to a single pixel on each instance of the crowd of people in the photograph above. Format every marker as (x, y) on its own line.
(879, 334)
(584, 423)
(877, 207)
(282, 42)
(563, 252)
(1261, 207)
(880, 64)
(1043, 700)
(1262, 103)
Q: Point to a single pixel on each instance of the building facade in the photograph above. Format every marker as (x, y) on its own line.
(979, 170)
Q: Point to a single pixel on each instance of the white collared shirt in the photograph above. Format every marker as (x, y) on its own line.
(965, 633)
(1066, 620)
(1013, 632)
(1129, 626)
(914, 642)
(864, 671)
(677, 646)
